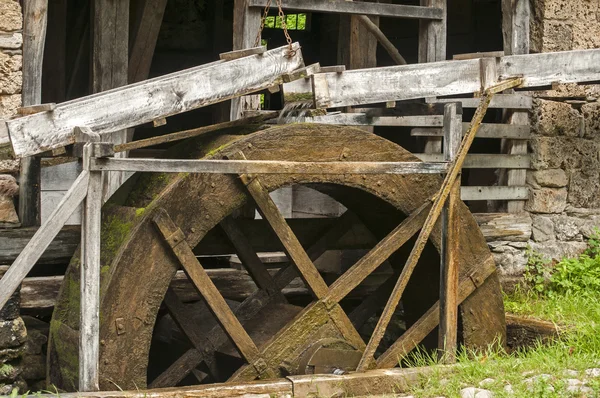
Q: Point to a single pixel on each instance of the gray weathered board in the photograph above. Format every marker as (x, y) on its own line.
(357, 8)
(143, 102)
(395, 83)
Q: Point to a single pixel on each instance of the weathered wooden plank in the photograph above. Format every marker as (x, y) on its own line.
(505, 226)
(487, 54)
(433, 34)
(500, 101)
(357, 8)
(478, 161)
(395, 83)
(153, 99)
(267, 166)
(231, 55)
(42, 238)
(144, 39)
(495, 193)
(35, 22)
(488, 130)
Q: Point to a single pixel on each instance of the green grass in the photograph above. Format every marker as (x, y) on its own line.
(577, 349)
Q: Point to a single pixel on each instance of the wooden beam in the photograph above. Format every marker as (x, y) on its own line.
(144, 39)
(218, 166)
(357, 8)
(395, 83)
(89, 320)
(479, 161)
(488, 130)
(42, 238)
(110, 66)
(500, 101)
(449, 266)
(153, 99)
(382, 39)
(35, 21)
(362, 119)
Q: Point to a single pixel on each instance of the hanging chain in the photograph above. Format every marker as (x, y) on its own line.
(290, 52)
(257, 42)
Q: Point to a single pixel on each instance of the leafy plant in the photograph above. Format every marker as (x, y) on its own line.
(537, 271)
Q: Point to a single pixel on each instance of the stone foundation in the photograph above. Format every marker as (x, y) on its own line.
(564, 203)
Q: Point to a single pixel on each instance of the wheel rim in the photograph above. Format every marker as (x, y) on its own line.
(135, 276)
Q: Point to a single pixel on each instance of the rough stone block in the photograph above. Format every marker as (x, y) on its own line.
(543, 229)
(9, 372)
(11, 78)
(590, 226)
(557, 36)
(579, 10)
(586, 35)
(547, 200)
(591, 117)
(590, 92)
(554, 118)
(584, 188)
(567, 153)
(12, 19)
(34, 367)
(559, 250)
(9, 104)
(567, 228)
(11, 309)
(12, 41)
(510, 262)
(551, 178)
(12, 333)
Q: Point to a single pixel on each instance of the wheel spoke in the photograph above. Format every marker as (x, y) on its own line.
(425, 325)
(376, 256)
(292, 247)
(215, 301)
(249, 258)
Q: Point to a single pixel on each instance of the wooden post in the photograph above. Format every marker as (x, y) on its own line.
(89, 331)
(246, 24)
(515, 29)
(35, 20)
(110, 63)
(432, 48)
(449, 267)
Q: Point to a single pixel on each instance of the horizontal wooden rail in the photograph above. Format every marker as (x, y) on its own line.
(494, 193)
(500, 101)
(480, 161)
(356, 8)
(361, 119)
(488, 130)
(265, 166)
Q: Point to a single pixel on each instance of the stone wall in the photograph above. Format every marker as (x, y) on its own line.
(564, 205)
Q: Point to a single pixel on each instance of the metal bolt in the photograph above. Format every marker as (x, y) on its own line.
(250, 145)
(207, 217)
(102, 342)
(193, 229)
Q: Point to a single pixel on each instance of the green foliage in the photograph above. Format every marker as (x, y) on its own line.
(292, 21)
(580, 275)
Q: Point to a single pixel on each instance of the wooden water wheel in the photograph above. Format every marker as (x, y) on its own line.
(158, 224)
